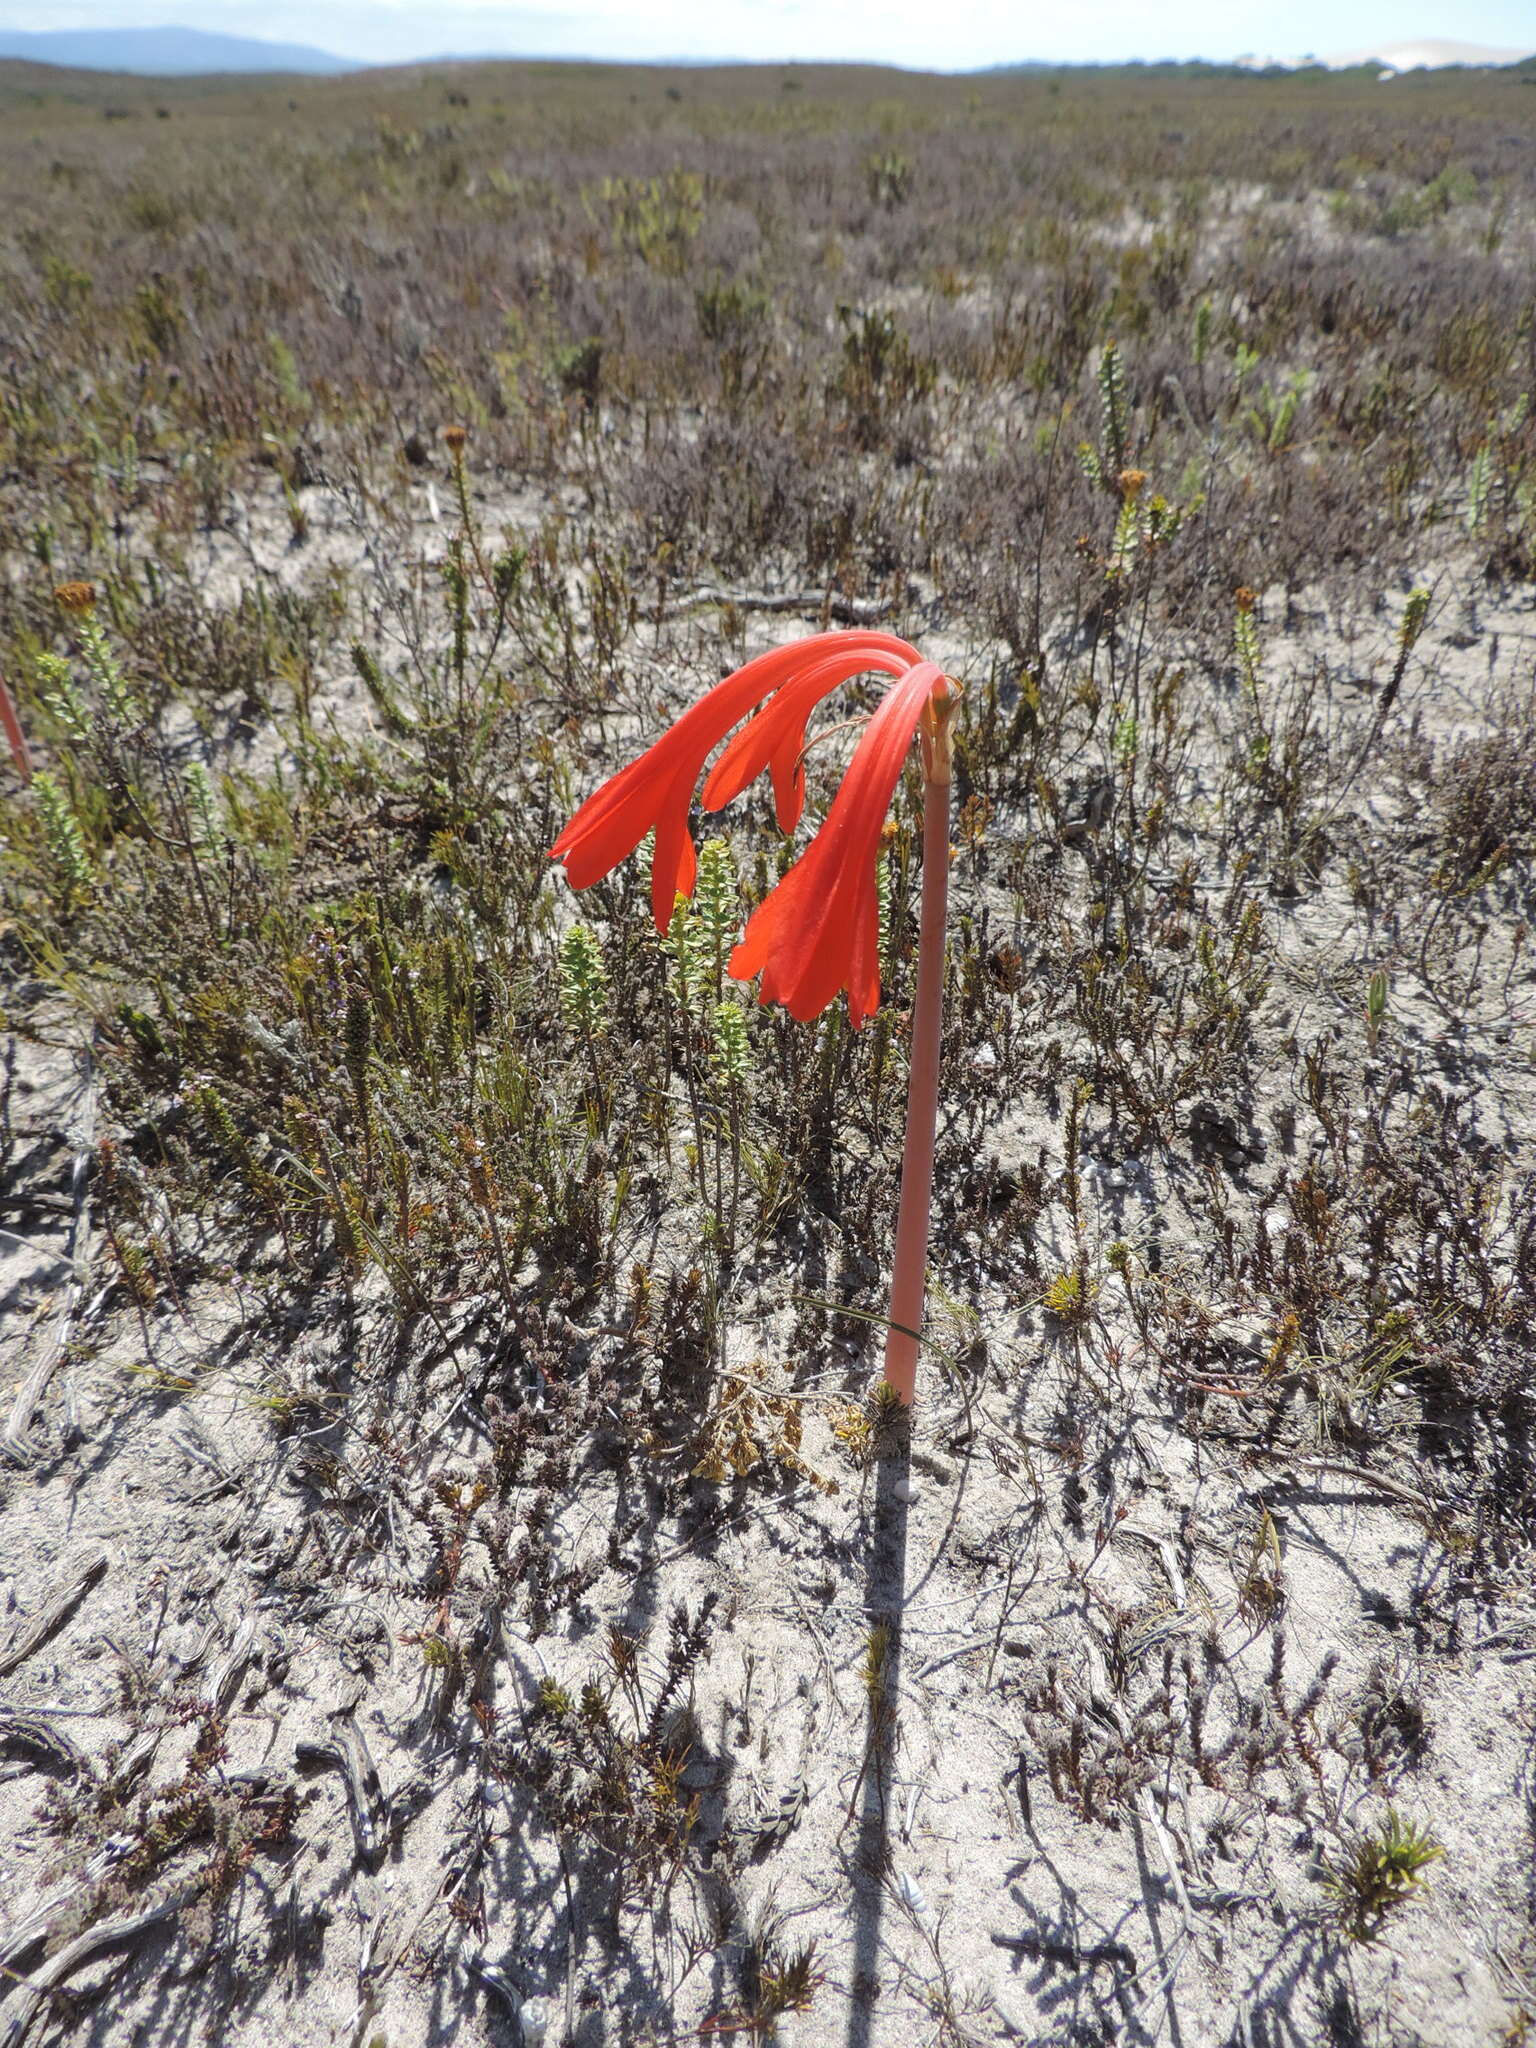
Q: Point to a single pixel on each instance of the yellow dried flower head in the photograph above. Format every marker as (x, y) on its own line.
(455, 437)
(75, 597)
(1244, 598)
(1131, 482)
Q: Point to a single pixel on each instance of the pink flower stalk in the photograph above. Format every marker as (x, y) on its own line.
(817, 933)
(15, 737)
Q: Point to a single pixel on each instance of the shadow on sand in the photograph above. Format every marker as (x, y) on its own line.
(885, 1599)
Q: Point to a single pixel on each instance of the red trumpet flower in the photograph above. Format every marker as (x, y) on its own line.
(655, 792)
(816, 933)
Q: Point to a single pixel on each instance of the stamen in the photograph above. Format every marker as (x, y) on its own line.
(831, 733)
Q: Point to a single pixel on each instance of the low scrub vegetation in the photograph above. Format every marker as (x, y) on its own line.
(385, 460)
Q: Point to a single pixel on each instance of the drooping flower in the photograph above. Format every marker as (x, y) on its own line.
(818, 932)
(654, 792)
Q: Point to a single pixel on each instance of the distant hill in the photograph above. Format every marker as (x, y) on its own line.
(166, 52)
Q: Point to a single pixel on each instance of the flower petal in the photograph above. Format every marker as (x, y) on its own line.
(776, 736)
(674, 864)
(817, 932)
(655, 791)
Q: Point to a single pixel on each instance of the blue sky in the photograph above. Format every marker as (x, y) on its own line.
(947, 35)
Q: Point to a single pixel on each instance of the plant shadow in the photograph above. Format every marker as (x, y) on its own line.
(885, 1600)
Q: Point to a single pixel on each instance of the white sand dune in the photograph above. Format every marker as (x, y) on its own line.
(1426, 54)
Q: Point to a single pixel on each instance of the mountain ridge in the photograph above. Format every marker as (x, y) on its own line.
(168, 52)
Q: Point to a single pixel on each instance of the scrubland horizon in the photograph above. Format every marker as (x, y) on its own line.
(179, 49)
